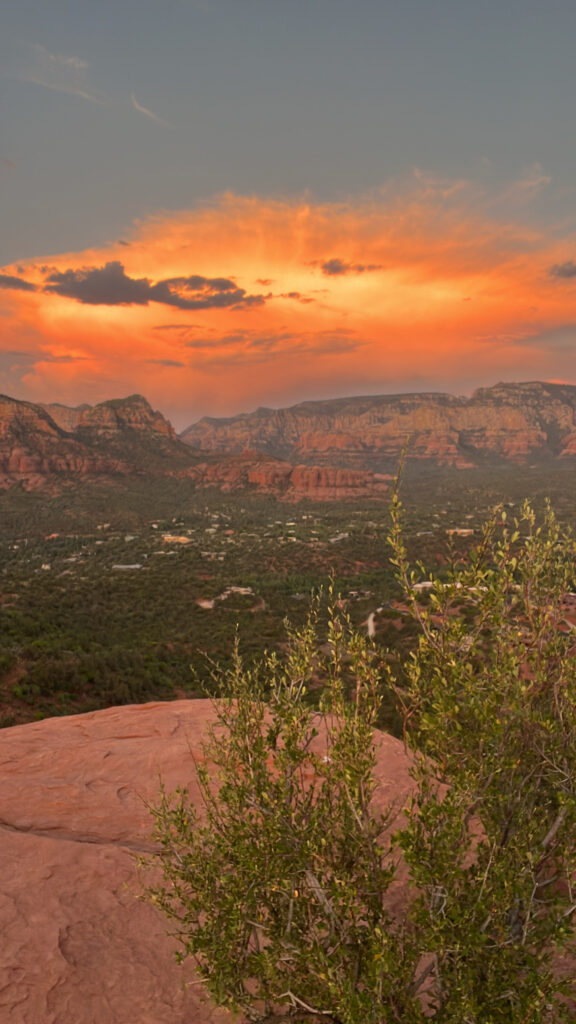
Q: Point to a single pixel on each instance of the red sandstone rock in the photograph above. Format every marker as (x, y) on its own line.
(52, 441)
(513, 422)
(285, 481)
(77, 946)
(110, 417)
(508, 421)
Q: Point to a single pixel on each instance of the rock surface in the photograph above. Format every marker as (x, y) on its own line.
(47, 447)
(342, 448)
(287, 482)
(77, 946)
(111, 417)
(507, 422)
(42, 445)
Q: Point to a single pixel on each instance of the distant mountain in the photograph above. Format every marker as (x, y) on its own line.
(340, 448)
(508, 422)
(40, 444)
(110, 419)
(47, 447)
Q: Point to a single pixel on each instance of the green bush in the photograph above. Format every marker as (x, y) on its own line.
(278, 887)
(490, 708)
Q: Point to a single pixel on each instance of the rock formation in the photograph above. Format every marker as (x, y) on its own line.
(343, 448)
(508, 422)
(76, 943)
(110, 418)
(48, 446)
(44, 446)
(33, 447)
(285, 481)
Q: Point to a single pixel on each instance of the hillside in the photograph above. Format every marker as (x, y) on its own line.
(49, 447)
(325, 450)
(508, 422)
(45, 445)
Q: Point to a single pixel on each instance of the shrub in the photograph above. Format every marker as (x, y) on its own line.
(279, 890)
(490, 709)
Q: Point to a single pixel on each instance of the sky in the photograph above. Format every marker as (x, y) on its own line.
(226, 204)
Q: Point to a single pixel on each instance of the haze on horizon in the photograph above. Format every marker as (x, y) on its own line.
(223, 205)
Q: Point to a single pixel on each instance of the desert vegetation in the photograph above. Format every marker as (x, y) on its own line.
(279, 886)
(79, 634)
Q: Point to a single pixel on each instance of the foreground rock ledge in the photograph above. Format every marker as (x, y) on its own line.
(76, 946)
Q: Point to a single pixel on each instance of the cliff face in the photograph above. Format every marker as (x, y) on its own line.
(286, 481)
(321, 450)
(39, 444)
(111, 418)
(33, 447)
(42, 447)
(514, 422)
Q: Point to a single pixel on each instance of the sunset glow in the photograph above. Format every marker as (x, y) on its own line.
(247, 302)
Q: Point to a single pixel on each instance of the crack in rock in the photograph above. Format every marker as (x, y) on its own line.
(75, 837)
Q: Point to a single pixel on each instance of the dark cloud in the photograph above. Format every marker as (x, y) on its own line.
(202, 343)
(165, 362)
(297, 296)
(100, 286)
(197, 292)
(177, 327)
(336, 267)
(7, 281)
(563, 270)
(13, 355)
(111, 286)
(15, 366)
(560, 339)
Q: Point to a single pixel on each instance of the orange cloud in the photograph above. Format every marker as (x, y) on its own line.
(251, 301)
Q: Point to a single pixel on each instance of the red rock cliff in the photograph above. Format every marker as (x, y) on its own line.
(514, 422)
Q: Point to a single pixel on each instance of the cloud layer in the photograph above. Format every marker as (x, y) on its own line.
(422, 294)
(111, 286)
(336, 267)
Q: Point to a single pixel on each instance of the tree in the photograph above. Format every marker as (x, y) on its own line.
(279, 891)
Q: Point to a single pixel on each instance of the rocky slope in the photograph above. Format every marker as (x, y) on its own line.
(33, 447)
(46, 446)
(111, 418)
(321, 450)
(507, 422)
(290, 483)
(76, 944)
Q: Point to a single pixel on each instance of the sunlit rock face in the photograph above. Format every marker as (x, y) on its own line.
(76, 944)
(43, 447)
(33, 447)
(111, 417)
(40, 443)
(510, 422)
(268, 475)
(343, 448)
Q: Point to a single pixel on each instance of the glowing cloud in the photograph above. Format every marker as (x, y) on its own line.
(293, 300)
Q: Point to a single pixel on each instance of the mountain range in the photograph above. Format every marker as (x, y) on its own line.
(507, 422)
(322, 449)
